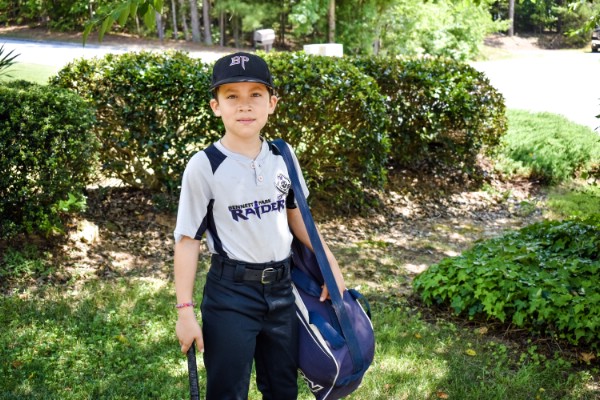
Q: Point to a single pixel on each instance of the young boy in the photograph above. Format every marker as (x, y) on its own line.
(237, 191)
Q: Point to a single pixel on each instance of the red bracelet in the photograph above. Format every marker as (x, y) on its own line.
(183, 305)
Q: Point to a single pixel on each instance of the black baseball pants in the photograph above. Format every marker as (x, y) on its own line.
(245, 321)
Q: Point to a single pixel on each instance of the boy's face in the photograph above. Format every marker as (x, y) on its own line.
(244, 107)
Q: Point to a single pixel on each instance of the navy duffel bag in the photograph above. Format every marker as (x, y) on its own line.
(325, 353)
(336, 338)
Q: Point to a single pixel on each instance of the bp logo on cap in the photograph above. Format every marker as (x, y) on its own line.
(241, 67)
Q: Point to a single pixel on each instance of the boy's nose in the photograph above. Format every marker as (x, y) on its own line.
(244, 105)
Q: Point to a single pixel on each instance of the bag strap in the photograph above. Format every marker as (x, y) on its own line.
(334, 292)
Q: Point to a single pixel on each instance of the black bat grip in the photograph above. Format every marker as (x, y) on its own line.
(193, 373)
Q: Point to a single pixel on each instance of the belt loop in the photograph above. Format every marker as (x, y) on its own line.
(216, 265)
(238, 275)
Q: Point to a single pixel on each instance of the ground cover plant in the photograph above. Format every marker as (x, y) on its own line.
(547, 147)
(543, 278)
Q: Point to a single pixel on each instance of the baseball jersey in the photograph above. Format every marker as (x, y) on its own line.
(238, 202)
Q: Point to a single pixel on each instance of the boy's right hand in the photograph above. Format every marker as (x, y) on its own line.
(188, 330)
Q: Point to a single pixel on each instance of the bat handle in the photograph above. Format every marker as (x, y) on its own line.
(193, 372)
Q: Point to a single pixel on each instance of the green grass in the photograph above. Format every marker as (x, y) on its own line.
(36, 73)
(114, 339)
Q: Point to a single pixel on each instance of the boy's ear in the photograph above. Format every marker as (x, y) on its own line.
(272, 103)
(214, 104)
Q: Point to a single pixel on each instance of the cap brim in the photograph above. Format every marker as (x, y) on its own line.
(236, 79)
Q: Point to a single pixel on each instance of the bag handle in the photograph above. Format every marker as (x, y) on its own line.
(334, 292)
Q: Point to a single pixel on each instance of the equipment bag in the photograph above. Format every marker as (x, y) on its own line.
(336, 338)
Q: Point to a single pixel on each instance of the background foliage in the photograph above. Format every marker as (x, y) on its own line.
(446, 28)
(48, 156)
(341, 115)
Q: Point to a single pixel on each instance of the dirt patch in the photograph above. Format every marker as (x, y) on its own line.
(512, 43)
(425, 218)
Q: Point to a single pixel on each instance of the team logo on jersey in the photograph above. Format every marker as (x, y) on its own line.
(283, 184)
(256, 209)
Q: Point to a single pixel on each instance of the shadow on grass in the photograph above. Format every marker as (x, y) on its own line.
(106, 340)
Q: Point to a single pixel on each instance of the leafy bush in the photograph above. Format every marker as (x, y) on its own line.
(440, 111)
(48, 155)
(152, 112)
(547, 147)
(544, 277)
(438, 28)
(334, 116)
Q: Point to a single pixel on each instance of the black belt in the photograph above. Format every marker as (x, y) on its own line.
(239, 271)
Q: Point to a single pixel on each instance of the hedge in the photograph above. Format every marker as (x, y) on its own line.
(349, 119)
(334, 116)
(440, 110)
(48, 156)
(152, 111)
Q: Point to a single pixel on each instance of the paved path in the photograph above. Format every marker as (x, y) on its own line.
(59, 54)
(565, 82)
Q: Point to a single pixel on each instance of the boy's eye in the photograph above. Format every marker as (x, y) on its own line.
(256, 94)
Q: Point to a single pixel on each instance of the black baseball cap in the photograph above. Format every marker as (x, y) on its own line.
(241, 67)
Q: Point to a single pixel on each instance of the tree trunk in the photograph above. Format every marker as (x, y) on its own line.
(282, 20)
(183, 18)
(174, 10)
(222, 28)
(511, 17)
(206, 20)
(331, 22)
(195, 21)
(159, 26)
(236, 31)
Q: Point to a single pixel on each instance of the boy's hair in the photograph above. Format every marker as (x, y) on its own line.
(216, 90)
(241, 67)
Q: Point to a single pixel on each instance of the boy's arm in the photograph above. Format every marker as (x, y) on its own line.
(296, 223)
(186, 262)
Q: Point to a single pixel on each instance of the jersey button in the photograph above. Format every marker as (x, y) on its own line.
(260, 178)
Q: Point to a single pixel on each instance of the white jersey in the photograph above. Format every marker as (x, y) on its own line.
(240, 203)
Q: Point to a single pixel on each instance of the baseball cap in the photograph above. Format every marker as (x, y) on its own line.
(241, 67)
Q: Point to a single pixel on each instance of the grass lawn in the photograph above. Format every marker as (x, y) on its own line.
(114, 339)
(37, 73)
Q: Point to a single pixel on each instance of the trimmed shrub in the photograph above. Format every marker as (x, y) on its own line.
(152, 111)
(334, 116)
(48, 156)
(544, 277)
(440, 111)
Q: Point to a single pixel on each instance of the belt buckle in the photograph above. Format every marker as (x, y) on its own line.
(263, 278)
